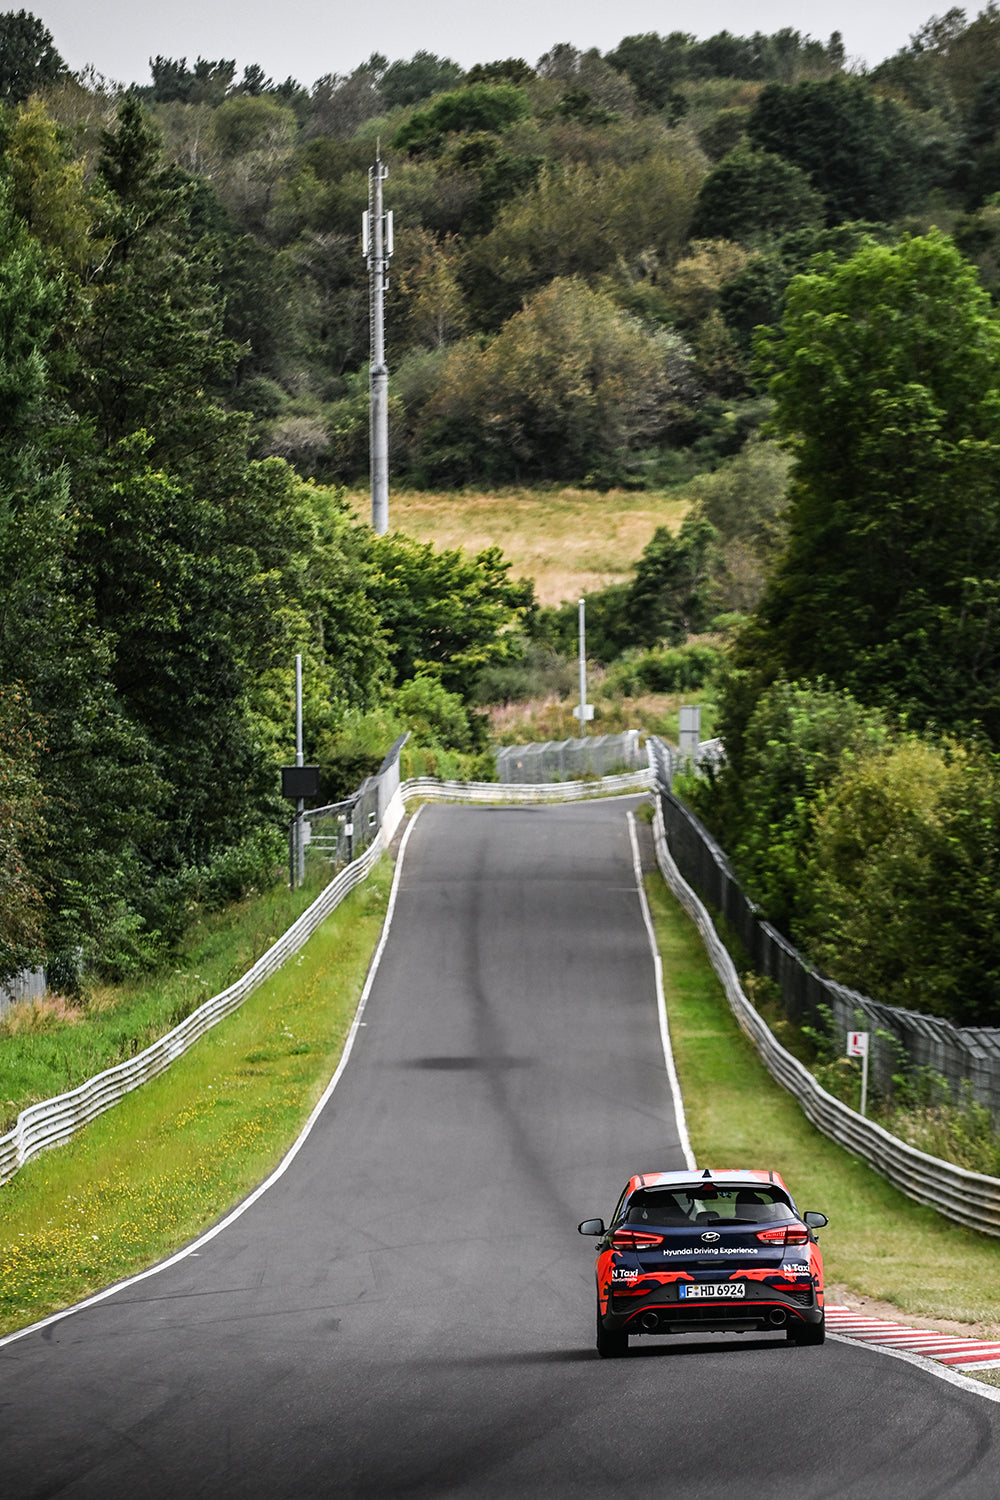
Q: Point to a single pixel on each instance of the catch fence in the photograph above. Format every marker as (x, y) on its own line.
(568, 760)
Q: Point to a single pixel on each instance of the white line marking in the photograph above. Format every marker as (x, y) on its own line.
(661, 1004)
(920, 1362)
(282, 1166)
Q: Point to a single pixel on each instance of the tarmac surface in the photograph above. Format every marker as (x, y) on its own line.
(408, 1309)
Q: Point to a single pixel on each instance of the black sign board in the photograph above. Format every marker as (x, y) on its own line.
(299, 782)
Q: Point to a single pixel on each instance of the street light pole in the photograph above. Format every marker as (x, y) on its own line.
(583, 669)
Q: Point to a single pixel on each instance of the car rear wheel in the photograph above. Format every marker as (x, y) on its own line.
(807, 1333)
(611, 1343)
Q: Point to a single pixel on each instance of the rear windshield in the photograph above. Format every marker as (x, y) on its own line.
(709, 1205)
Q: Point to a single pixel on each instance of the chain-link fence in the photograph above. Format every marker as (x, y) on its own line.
(967, 1058)
(341, 831)
(568, 760)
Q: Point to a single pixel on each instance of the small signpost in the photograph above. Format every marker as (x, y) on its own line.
(857, 1046)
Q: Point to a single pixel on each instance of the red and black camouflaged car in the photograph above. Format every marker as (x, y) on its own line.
(707, 1251)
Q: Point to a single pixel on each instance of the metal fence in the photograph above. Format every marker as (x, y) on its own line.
(969, 1198)
(567, 760)
(967, 1058)
(28, 985)
(341, 831)
(552, 791)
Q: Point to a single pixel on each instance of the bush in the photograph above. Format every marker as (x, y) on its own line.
(902, 881)
(682, 670)
(254, 864)
(798, 739)
(540, 672)
(571, 386)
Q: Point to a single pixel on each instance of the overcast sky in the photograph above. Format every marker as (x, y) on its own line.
(306, 39)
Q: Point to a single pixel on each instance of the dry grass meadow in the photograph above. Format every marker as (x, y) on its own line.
(569, 541)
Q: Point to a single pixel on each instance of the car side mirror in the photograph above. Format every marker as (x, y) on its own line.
(815, 1221)
(592, 1226)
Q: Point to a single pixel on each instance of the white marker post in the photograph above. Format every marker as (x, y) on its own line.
(857, 1046)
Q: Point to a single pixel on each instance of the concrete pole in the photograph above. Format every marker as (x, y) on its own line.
(378, 250)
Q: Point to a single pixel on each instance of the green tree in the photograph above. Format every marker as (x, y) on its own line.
(570, 386)
(902, 884)
(21, 836)
(755, 195)
(654, 65)
(99, 795)
(445, 615)
(504, 70)
(669, 597)
(858, 150)
(479, 107)
(28, 58)
(407, 83)
(207, 82)
(182, 544)
(585, 222)
(47, 188)
(798, 739)
(340, 104)
(746, 503)
(885, 374)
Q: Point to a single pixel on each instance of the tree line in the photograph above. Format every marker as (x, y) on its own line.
(159, 578)
(656, 199)
(719, 263)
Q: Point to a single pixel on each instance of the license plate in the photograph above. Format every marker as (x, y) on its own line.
(722, 1289)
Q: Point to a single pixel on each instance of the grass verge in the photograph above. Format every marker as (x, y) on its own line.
(53, 1045)
(149, 1175)
(880, 1245)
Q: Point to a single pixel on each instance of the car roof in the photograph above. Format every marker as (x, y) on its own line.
(702, 1175)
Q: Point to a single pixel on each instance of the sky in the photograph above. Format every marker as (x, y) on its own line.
(306, 39)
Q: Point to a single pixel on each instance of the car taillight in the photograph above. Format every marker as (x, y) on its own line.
(788, 1234)
(634, 1239)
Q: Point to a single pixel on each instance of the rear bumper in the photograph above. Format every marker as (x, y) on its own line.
(655, 1314)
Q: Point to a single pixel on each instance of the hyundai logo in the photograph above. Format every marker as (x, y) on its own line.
(711, 1237)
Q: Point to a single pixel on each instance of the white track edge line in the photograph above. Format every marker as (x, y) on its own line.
(922, 1362)
(283, 1165)
(661, 1003)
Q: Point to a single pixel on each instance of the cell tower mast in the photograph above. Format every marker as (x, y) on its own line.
(377, 244)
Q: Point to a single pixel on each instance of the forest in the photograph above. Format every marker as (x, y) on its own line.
(734, 265)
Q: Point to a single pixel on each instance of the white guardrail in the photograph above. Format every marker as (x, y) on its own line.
(970, 1198)
(52, 1121)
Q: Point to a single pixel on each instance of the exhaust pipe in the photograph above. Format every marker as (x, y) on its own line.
(777, 1317)
(650, 1321)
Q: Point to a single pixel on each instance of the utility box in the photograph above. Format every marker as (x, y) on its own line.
(690, 733)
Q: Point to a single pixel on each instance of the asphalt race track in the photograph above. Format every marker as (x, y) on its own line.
(409, 1310)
